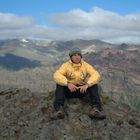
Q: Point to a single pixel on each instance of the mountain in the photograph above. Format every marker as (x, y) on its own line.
(27, 49)
(47, 52)
(125, 46)
(50, 53)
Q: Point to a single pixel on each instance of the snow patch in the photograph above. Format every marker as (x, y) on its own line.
(24, 40)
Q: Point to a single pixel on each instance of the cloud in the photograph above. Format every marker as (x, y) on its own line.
(99, 24)
(97, 18)
(94, 24)
(11, 21)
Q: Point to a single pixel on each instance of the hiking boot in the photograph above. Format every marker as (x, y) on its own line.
(58, 114)
(96, 114)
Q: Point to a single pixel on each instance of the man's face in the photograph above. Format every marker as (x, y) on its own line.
(76, 58)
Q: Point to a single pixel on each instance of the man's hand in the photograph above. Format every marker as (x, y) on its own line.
(72, 87)
(83, 88)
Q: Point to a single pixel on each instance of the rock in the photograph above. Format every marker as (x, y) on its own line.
(132, 121)
(27, 116)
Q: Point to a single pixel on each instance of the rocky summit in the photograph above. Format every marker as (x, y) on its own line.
(25, 115)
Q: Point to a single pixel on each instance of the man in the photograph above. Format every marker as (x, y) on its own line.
(76, 78)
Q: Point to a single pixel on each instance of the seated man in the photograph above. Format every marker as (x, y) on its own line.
(71, 81)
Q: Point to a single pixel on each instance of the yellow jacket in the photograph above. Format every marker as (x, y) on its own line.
(78, 74)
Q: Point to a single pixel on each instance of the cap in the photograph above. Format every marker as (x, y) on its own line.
(74, 51)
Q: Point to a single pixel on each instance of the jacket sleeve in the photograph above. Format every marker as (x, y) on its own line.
(94, 76)
(60, 75)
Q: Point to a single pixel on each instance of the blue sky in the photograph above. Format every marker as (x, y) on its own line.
(71, 19)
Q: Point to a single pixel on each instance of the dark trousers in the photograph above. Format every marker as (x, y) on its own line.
(62, 92)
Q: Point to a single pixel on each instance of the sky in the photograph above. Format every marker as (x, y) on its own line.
(114, 21)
